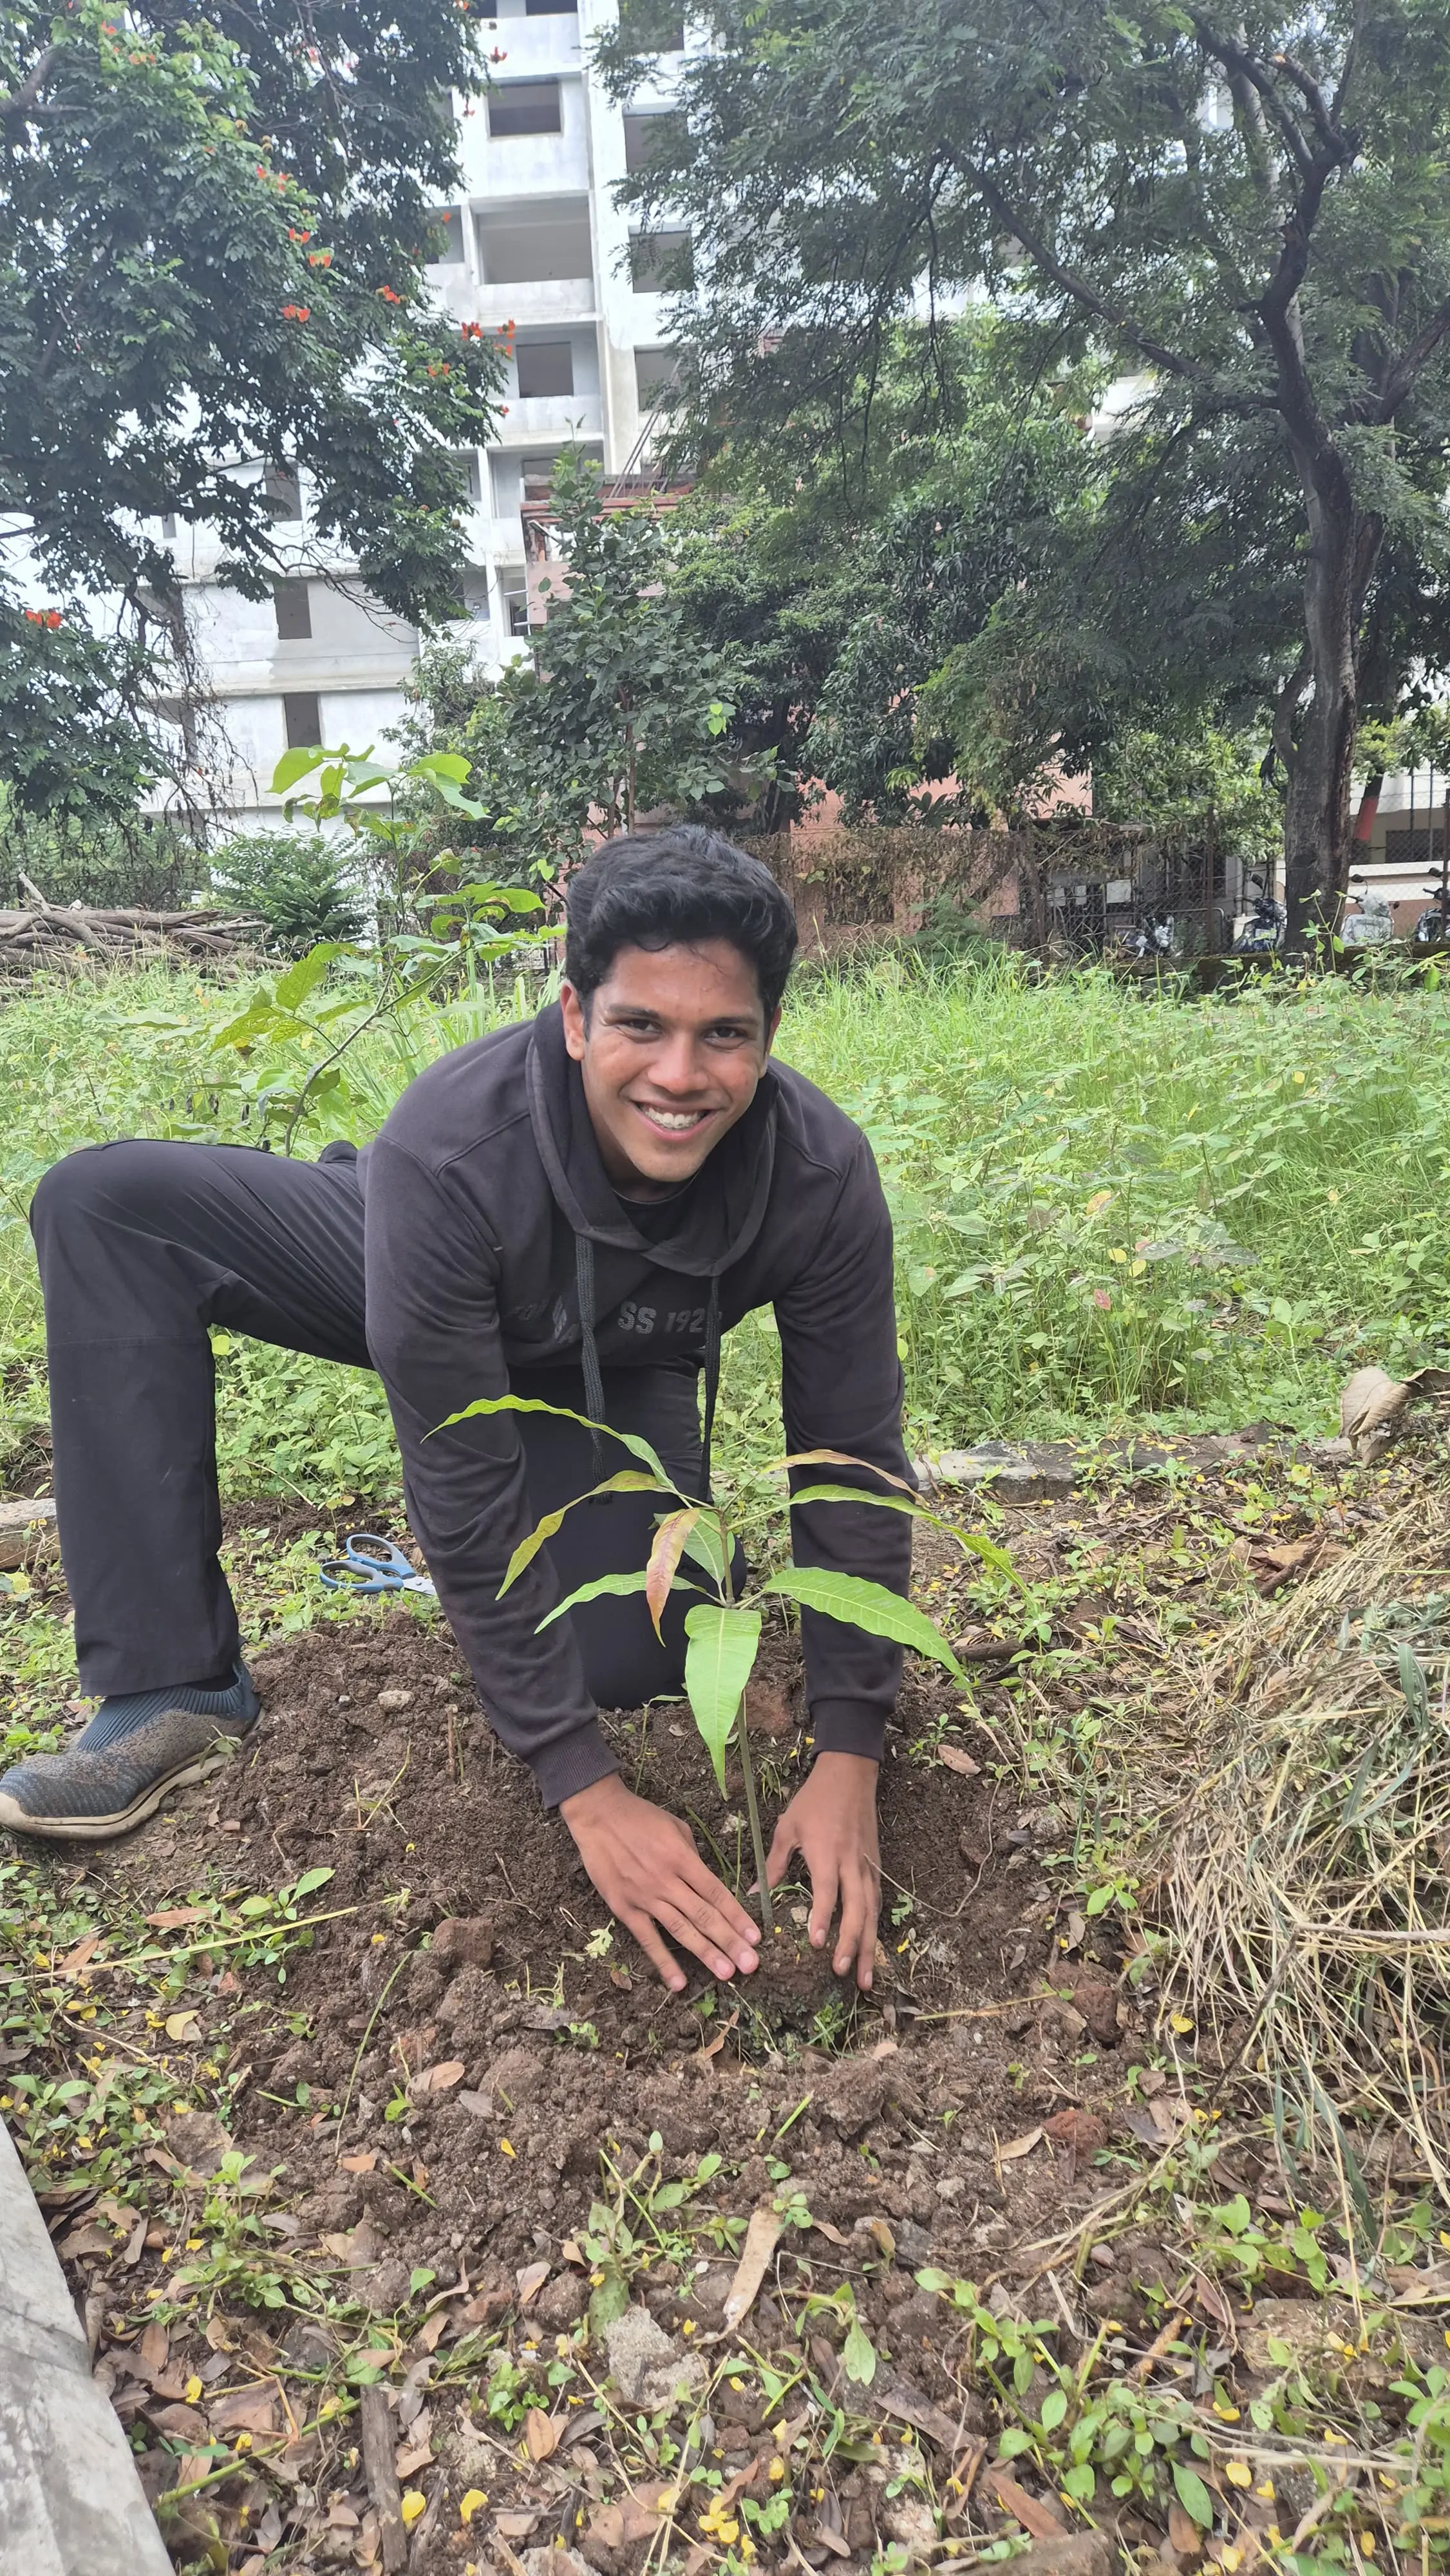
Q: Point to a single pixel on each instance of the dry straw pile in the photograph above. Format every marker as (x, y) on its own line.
(1310, 1872)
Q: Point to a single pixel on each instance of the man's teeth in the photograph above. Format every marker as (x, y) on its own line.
(676, 1122)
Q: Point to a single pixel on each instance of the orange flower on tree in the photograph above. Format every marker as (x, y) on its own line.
(390, 295)
(42, 617)
(296, 312)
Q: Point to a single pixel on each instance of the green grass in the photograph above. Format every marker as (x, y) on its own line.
(1109, 1207)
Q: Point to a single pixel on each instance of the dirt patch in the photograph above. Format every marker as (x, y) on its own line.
(375, 1762)
(478, 2118)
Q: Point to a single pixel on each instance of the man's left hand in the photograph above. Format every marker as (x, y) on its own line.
(831, 1822)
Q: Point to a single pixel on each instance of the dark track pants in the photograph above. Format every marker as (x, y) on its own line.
(141, 1247)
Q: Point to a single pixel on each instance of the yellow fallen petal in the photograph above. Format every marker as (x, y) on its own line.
(1238, 2473)
(470, 2504)
(414, 2503)
(193, 2390)
(504, 2148)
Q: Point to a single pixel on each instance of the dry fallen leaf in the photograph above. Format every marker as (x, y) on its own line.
(154, 2347)
(408, 2462)
(954, 1759)
(173, 1917)
(360, 2164)
(82, 1955)
(704, 2055)
(530, 2281)
(183, 2025)
(246, 2410)
(1183, 2532)
(185, 2423)
(438, 2079)
(541, 2434)
(1023, 2508)
(1019, 2147)
(761, 2238)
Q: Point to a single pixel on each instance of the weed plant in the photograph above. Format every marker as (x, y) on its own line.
(1109, 1206)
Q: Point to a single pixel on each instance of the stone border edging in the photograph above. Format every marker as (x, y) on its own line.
(71, 2502)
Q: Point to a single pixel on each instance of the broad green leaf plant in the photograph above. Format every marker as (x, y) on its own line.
(723, 1623)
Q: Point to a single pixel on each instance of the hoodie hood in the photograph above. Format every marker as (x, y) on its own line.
(719, 1221)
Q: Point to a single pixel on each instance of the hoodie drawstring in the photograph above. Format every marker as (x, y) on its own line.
(594, 1375)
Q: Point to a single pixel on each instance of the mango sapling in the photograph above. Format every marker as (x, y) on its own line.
(723, 1626)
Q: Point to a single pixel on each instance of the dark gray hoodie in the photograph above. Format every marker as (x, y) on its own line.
(479, 1191)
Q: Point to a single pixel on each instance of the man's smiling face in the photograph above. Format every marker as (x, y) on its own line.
(672, 1046)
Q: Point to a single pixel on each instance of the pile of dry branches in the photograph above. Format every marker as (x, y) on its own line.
(48, 935)
(1309, 1875)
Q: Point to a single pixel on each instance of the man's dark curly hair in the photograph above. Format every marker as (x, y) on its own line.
(676, 888)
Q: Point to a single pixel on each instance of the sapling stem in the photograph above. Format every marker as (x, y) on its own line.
(742, 1737)
(752, 1809)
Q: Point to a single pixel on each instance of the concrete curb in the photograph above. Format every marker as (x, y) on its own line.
(70, 2499)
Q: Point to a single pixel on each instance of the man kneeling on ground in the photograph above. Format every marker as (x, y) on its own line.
(574, 1209)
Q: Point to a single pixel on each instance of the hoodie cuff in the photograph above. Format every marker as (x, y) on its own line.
(848, 1726)
(575, 1762)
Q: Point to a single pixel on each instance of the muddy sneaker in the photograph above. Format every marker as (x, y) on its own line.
(134, 1752)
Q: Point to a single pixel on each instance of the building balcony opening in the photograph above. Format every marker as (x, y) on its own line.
(656, 377)
(551, 8)
(547, 248)
(302, 716)
(661, 263)
(524, 107)
(445, 237)
(652, 26)
(282, 489)
(650, 134)
(546, 368)
(292, 601)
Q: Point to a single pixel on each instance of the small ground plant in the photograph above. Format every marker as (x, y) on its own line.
(723, 1626)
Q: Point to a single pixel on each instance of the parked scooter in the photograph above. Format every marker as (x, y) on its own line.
(1263, 928)
(1432, 930)
(1153, 938)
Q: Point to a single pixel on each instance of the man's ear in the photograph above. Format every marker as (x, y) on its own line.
(771, 1026)
(576, 1021)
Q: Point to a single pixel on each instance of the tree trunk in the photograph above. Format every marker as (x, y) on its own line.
(1344, 543)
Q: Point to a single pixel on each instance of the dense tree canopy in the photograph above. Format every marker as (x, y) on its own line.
(212, 240)
(1248, 212)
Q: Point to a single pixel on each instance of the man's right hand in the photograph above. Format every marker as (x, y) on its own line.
(645, 1866)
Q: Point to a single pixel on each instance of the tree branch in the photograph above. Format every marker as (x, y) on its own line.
(1400, 377)
(21, 100)
(1082, 294)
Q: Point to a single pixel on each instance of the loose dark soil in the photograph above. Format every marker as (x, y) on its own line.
(469, 2057)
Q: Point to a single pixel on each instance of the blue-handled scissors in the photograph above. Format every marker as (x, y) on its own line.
(372, 1564)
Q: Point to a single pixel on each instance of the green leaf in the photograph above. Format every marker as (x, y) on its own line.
(441, 764)
(858, 2355)
(602, 1583)
(705, 1546)
(293, 988)
(996, 1557)
(625, 1480)
(296, 764)
(609, 2301)
(1054, 2407)
(839, 1458)
(719, 1659)
(1193, 2495)
(859, 1604)
(629, 1440)
(310, 1881)
(1080, 2483)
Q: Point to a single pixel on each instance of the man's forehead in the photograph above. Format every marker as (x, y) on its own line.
(708, 980)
